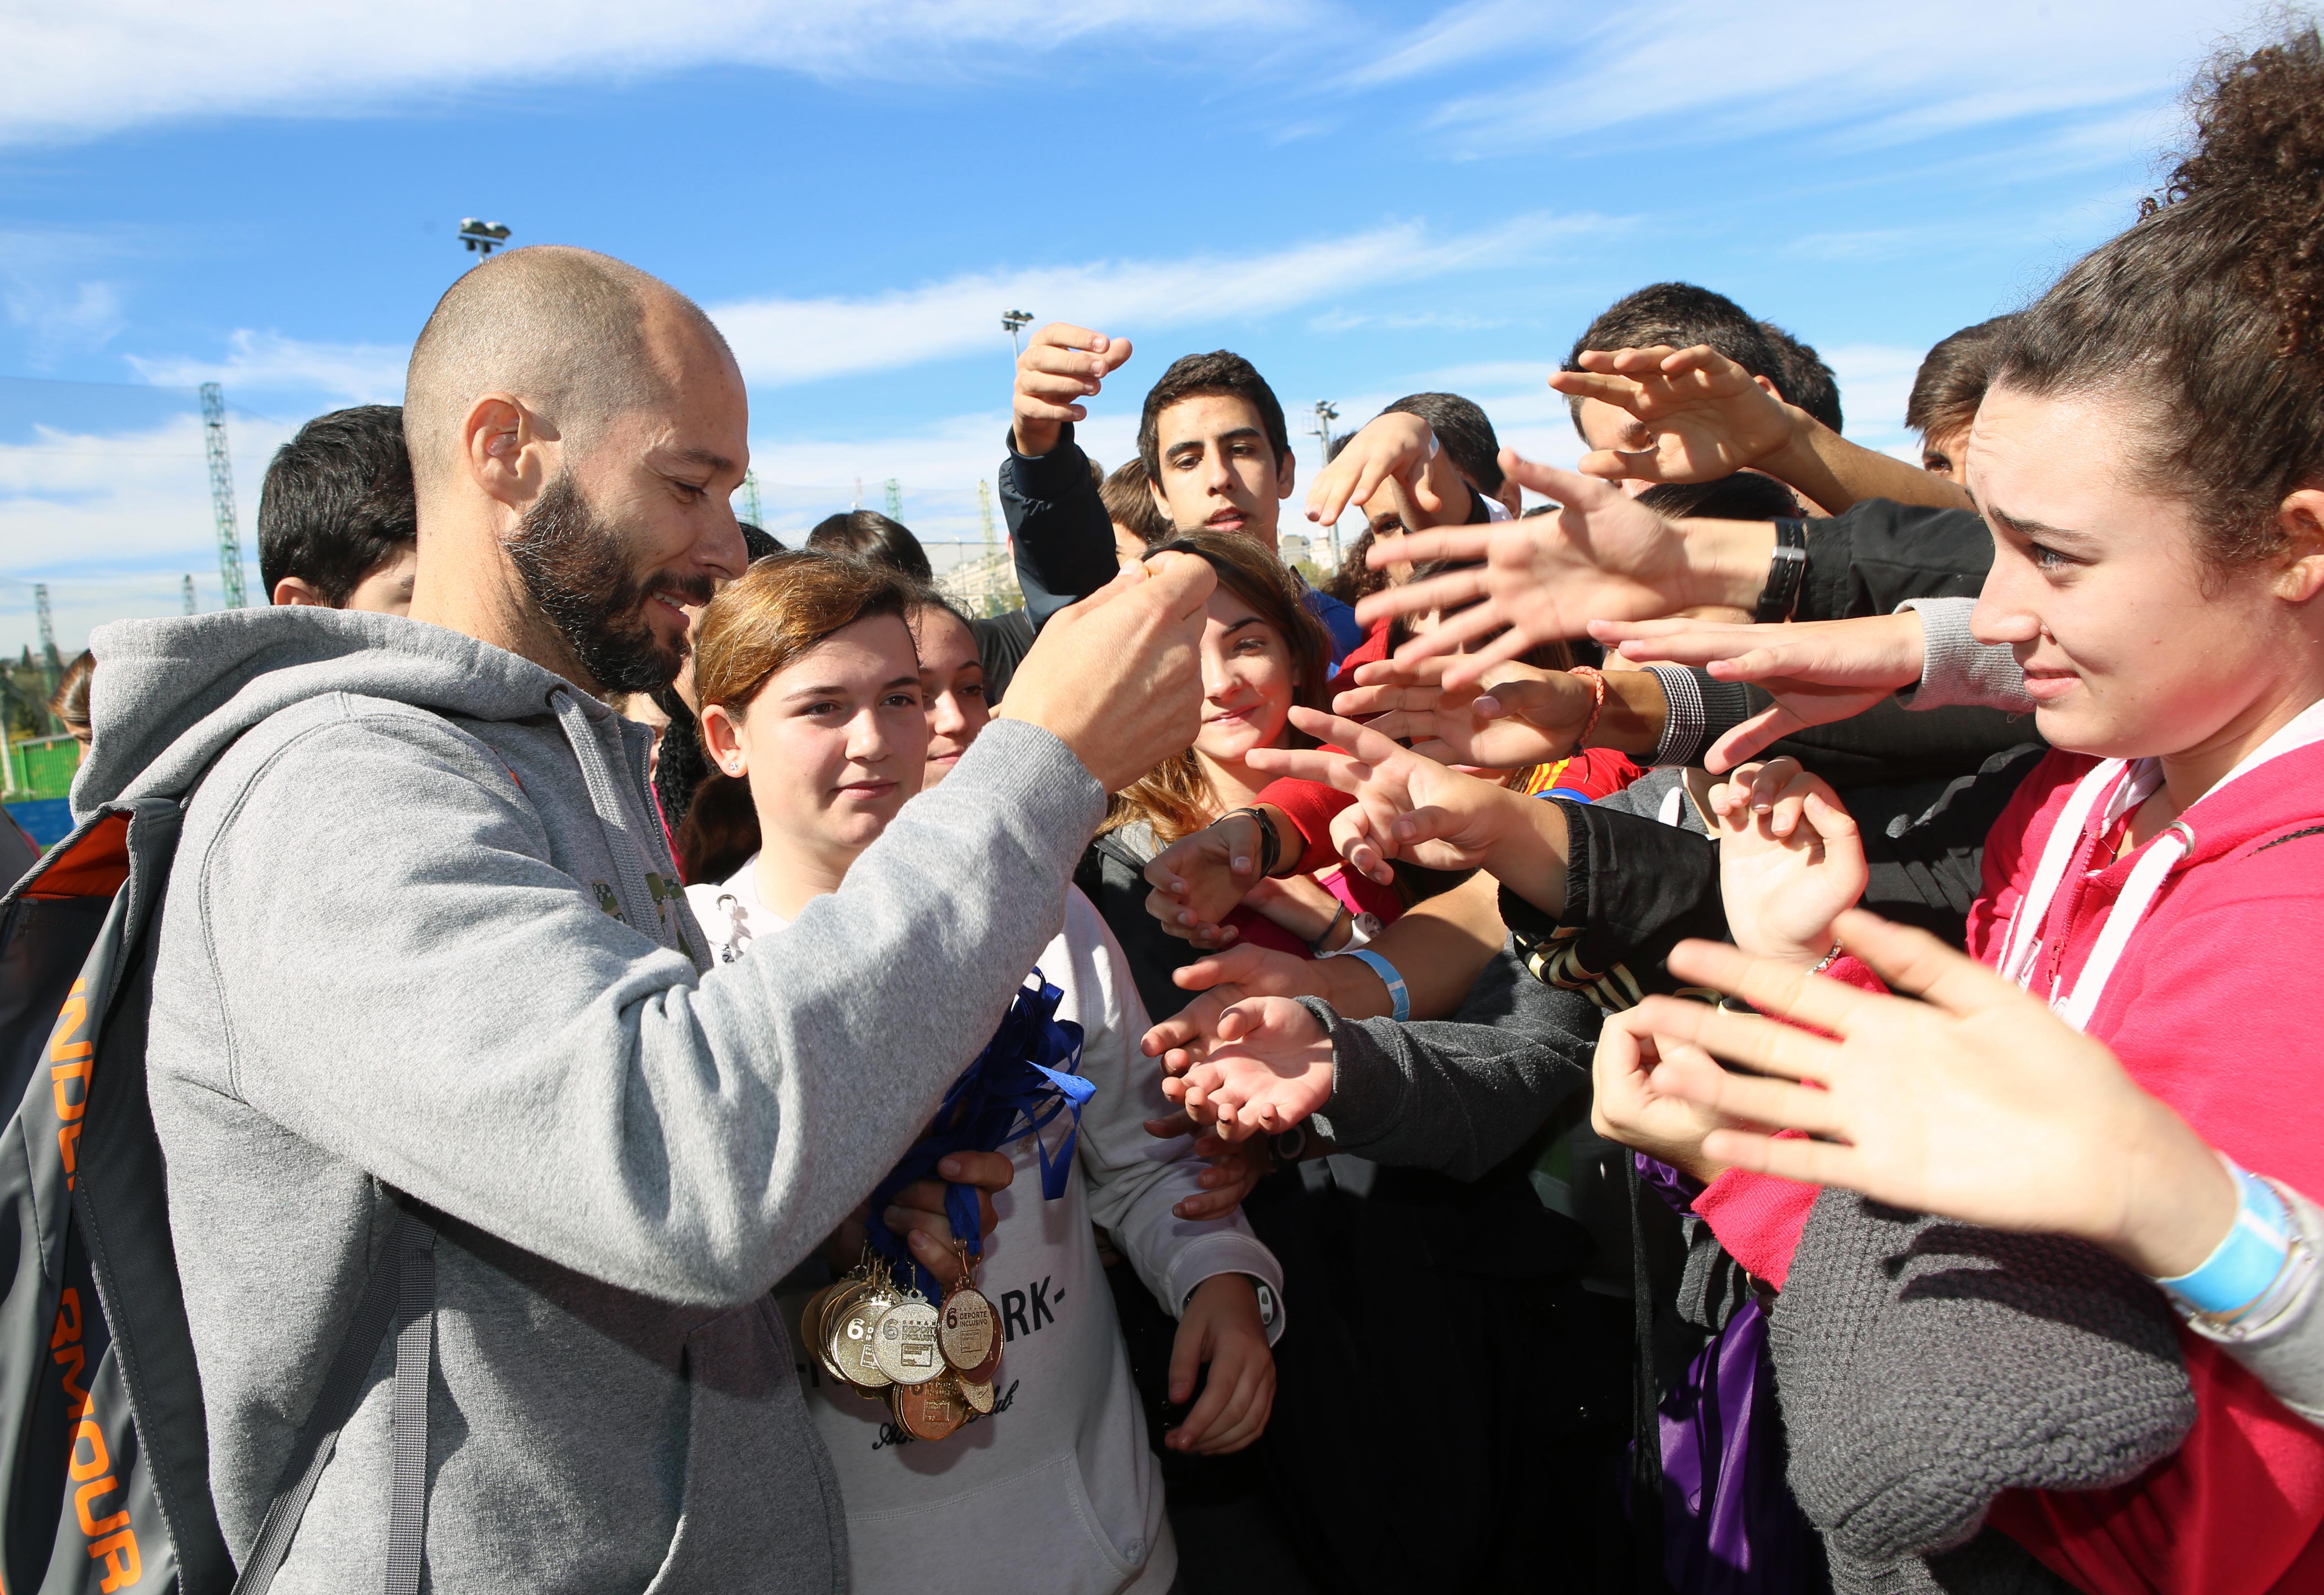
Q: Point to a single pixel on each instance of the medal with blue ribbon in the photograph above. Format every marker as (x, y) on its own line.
(1028, 1074)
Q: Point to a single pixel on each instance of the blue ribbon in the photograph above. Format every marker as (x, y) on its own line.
(1027, 1074)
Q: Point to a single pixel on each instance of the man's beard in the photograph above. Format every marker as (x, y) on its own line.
(575, 564)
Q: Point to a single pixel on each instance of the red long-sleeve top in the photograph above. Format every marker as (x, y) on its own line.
(2212, 1010)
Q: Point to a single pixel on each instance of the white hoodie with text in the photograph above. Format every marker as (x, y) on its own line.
(1056, 1490)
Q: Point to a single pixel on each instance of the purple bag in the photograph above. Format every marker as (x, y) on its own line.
(1729, 1524)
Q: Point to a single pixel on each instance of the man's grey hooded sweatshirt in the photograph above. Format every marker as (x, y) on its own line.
(423, 934)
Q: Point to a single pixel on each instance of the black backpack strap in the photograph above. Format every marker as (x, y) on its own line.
(401, 1295)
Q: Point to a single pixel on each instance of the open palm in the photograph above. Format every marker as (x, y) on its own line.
(1787, 871)
(1976, 1102)
(1267, 1065)
(1708, 417)
(1407, 806)
(1603, 555)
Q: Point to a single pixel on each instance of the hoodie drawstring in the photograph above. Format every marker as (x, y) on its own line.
(613, 815)
(2122, 785)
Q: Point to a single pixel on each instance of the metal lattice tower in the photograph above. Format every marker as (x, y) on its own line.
(187, 592)
(985, 509)
(750, 499)
(229, 534)
(51, 663)
(895, 499)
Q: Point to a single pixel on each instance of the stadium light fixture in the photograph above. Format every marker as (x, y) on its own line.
(482, 236)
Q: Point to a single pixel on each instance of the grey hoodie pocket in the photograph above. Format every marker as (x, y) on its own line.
(761, 1508)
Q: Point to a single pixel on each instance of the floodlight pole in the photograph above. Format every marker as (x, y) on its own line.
(1320, 424)
(1014, 322)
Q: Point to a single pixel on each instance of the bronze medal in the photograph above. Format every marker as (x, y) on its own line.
(930, 1410)
(854, 1334)
(970, 1330)
(976, 1393)
(905, 1346)
(984, 1372)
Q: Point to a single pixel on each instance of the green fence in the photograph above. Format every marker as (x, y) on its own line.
(42, 767)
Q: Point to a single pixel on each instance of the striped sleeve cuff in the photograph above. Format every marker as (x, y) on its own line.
(1701, 711)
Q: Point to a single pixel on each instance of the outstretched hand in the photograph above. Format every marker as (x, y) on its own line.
(1266, 1066)
(1976, 1102)
(1817, 671)
(1520, 715)
(1200, 879)
(1395, 454)
(1627, 1105)
(1710, 417)
(1603, 555)
(1062, 364)
(1224, 980)
(1236, 1166)
(1407, 806)
(1790, 860)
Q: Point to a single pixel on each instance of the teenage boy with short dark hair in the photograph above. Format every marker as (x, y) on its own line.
(338, 526)
(1217, 454)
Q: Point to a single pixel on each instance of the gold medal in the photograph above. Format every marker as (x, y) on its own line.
(976, 1393)
(812, 1332)
(970, 1330)
(854, 1334)
(930, 1409)
(905, 1344)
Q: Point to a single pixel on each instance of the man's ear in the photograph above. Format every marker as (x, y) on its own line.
(722, 740)
(1770, 387)
(1287, 472)
(2302, 516)
(510, 451)
(295, 589)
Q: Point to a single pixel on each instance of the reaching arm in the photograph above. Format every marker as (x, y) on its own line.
(556, 1079)
(1058, 524)
(1710, 419)
(1457, 1096)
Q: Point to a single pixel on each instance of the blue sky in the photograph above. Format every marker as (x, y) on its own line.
(1366, 199)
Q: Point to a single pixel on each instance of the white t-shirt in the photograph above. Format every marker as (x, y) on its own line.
(1058, 1490)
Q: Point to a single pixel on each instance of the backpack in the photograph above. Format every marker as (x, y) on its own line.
(104, 1442)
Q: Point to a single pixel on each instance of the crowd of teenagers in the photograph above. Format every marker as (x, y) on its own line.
(1741, 1029)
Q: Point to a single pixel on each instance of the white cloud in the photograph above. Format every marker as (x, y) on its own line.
(793, 340)
(98, 65)
(1703, 69)
(267, 362)
(86, 317)
(111, 523)
(1875, 381)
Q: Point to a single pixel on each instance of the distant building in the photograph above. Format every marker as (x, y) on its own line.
(984, 586)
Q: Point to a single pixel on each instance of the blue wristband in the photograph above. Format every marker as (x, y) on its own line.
(1386, 972)
(2242, 1266)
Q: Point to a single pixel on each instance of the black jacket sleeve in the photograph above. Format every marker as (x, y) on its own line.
(1875, 554)
(1058, 524)
(1459, 1095)
(1636, 887)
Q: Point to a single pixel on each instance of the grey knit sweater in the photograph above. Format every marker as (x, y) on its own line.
(1924, 1367)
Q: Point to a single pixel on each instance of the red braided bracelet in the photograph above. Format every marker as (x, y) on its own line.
(1597, 702)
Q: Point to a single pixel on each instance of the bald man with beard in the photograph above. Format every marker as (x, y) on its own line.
(429, 1007)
